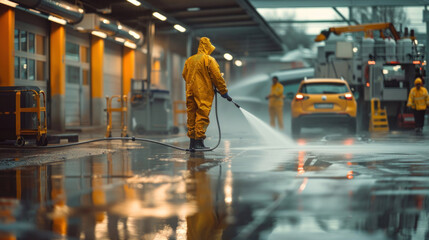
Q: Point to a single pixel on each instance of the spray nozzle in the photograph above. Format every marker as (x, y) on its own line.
(238, 106)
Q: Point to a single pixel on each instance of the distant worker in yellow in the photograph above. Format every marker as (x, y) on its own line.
(275, 104)
(202, 76)
(418, 100)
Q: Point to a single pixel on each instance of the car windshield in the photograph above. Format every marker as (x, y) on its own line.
(324, 88)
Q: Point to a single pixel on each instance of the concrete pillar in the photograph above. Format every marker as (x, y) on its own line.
(150, 35)
(128, 69)
(7, 28)
(57, 76)
(98, 100)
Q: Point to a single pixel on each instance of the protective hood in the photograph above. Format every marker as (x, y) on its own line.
(418, 81)
(205, 46)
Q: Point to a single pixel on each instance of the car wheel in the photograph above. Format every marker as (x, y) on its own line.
(296, 128)
(352, 126)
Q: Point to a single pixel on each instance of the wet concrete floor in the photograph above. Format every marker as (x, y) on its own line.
(320, 186)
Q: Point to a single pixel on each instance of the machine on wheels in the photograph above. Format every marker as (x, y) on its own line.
(150, 110)
(23, 115)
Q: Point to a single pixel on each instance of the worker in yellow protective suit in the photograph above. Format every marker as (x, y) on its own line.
(418, 100)
(275, 104)
(202, 75)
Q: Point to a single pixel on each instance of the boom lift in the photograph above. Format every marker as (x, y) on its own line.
(384, 67)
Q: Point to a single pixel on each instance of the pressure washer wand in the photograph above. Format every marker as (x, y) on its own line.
(238, 106)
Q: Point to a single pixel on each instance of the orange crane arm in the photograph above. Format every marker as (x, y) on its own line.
(357, 28)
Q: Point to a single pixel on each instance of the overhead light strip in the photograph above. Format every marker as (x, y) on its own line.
(99, 34)
(8, 3)
(135, 2)
(130, 44)
(57, 20)
(179, 28)
(159, 16)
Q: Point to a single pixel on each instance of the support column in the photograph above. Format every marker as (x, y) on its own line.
(98, 100)
(426, 20)
(150, 35)
(7, 28)
(57, 76)
(128, 69)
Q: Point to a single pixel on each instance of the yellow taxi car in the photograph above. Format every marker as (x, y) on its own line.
(323, 101)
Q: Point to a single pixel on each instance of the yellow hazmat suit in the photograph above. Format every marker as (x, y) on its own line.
(275, 104)
(418, 99)
(201, 72)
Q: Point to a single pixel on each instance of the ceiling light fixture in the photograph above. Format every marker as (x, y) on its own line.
(134, 34)
(135, 2)
(130, 44)
(238, 63)
(118, 39)
(159, 16)
(99, 34)
(179, 28)
(193, 9)
(57, 20)
(228, 56)
(8, 3)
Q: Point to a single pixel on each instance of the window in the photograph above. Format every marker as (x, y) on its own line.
(16, 40)
(40, 66)
(23, 68)
(16, 67)
(85, 77)
(324, 88)
(30, 55)
(23, 41)
(77, 64)
(84, 54)
(40, 44)
(73, 74)
(72, 51)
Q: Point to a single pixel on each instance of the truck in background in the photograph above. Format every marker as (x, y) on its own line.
(382, 67)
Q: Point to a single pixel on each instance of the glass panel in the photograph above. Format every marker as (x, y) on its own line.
(40, 70)
(16, 67)
(23, 40)
(84, 54)
(40, 44)
(85, 77)
(31, 42)
(72, 51)
(23, 67)
(324, 88)
(16, 39)
(72, 74)
(31, 69)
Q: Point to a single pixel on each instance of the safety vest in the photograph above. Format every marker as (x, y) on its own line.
(418, 99)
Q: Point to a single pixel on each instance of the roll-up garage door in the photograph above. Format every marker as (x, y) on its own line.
(78, 98)
(112, 74)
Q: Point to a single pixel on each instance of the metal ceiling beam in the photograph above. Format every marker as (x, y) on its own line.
(236, 30)
(262, 23)
(207, 12)
(336, 3)
(217, 18)
(224, 24)
(304, 21)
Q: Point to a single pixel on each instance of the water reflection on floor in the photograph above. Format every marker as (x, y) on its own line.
(329, 187)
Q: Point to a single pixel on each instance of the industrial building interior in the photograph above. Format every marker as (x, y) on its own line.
(110, 44)
(93, 120)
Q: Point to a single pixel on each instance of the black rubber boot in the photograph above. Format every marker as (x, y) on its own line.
(199, 144)
(192, 143)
